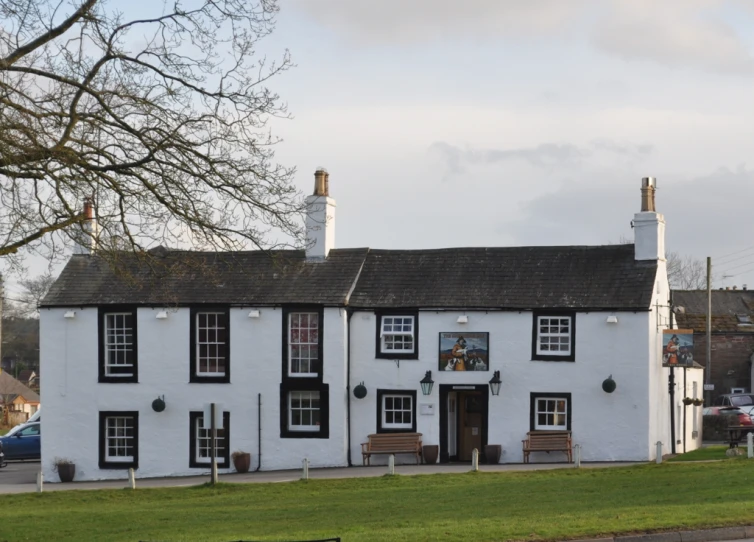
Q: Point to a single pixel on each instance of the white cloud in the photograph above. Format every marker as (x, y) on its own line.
(391, 22)
(676, 34)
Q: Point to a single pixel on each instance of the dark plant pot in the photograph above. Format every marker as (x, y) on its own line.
(492, 453)
(242, 462)
(430, 453)
(66, 472)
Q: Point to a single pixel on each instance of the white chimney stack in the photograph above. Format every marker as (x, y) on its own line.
(86, 232)
(649, 225)
(320, 218)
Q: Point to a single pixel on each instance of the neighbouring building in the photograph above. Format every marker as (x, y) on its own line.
(732, 344)
(281, 340)
(18, 402)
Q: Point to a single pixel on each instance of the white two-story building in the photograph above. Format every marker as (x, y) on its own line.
(287, 342)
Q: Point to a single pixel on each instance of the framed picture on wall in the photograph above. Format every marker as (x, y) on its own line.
(462, 351)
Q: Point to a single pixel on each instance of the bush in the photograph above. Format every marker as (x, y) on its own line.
(716, 427)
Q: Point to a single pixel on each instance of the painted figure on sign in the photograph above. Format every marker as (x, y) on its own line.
(458, 354)
(671, 351)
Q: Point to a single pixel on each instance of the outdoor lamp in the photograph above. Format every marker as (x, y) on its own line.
(495, 383)
(158, 405)
(609, 385)
(427, 383)
(360, 391)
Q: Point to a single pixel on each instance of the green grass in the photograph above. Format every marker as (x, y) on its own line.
(706, 454)
(532, 505)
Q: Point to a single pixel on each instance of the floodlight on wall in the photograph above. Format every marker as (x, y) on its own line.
(427, 383)
(69, 314)
(612, 319)
(254, 314)
(463, 319)
(161, 315)
(495, 383)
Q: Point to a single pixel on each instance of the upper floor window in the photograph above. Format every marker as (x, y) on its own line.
(303, 344)
(210, 353)
(397, 336)
(554, 336)
(117, 345)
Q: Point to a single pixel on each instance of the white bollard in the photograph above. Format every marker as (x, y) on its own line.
(658, 459)
(131, 479)
(750, 445)
(213, 471)
(475, 460)
(577, 453)
(305, 469)
(391, 464)
(40, 482)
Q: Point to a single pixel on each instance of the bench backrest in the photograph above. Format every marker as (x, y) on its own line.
(549, 439)
(394, 441)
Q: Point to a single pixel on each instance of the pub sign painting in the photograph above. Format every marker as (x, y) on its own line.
(464, 351)
(677, 347)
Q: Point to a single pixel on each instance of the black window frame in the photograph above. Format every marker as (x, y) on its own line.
(204, 379)
(103, 377)
(117, 465)
(223, 461)
(536, 315)
(287, 311)
(378, 332)
(533, 396)
(324, 411)
(380, 395)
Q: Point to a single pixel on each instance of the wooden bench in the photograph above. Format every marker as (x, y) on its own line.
(547, 441)
(392, 443)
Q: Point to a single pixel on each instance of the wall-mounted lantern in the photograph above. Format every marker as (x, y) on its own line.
(161, 315)
(495, 383)
(158, 405)
(427, 383)
(69, 314)
(360, 391)
(609, 385)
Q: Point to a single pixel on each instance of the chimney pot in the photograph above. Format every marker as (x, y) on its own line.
(88, 208)
(321, 182)
(648, 187)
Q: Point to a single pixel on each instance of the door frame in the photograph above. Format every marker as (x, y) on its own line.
(445, 389)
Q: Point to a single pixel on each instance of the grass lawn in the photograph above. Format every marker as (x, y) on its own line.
(535, 505)
(707, 454)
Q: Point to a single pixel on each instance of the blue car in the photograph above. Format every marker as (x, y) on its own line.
(22, 442)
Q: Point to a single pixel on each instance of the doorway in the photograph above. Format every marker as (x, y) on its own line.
(463, 420)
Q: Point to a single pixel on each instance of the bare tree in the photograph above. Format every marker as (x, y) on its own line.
(33, 291)
(161, 120)
(686, 272)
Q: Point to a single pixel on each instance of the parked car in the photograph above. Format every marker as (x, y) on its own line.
(735, 399)
(2, 457)
(22, 443)
(743, 417)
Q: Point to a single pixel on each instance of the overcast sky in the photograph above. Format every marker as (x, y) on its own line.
(525, 122)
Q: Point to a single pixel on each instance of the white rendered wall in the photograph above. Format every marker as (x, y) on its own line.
(609, 427)
(74, 398)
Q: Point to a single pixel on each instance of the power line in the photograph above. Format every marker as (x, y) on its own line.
(749, 262)
(732, 253)
(736, 259)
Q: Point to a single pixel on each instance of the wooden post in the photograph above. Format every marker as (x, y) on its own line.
(475, 460)
(40, 481)
(391, 464)
(305, 469)
(131, 478)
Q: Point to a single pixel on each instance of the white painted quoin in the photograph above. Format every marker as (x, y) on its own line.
(616, 299)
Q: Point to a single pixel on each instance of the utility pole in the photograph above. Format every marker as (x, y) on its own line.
(213, 450)
(708, 369)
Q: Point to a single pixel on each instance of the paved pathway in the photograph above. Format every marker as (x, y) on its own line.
(21, 477)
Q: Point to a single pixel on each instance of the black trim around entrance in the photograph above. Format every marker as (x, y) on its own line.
(444, 390)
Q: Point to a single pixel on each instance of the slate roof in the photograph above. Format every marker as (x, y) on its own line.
(10, 386)
(691, 310)
(574, 277)
(571, 277)
(183, 278)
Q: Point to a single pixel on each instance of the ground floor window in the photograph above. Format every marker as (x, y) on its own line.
(396, 411)
(118, 440)
(200, 440)
(550, 412)
(304, 413)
